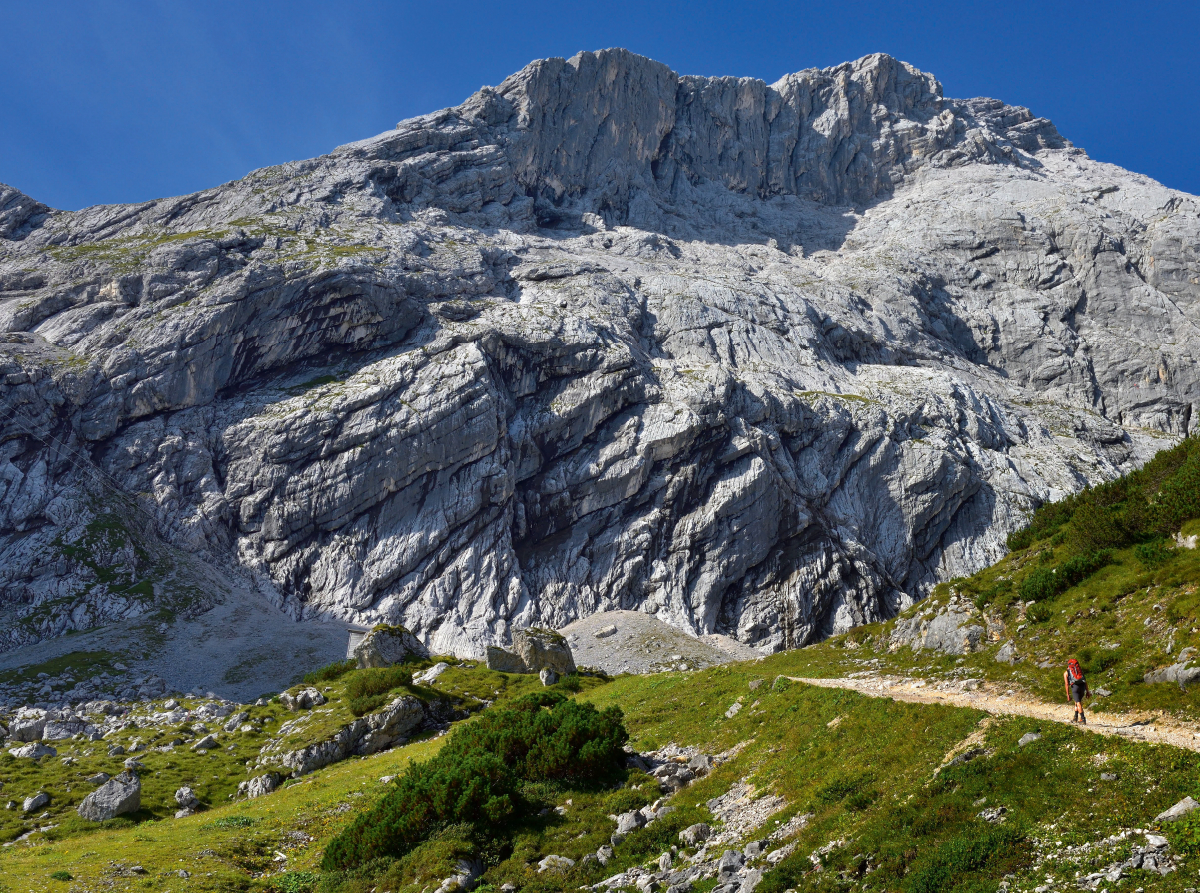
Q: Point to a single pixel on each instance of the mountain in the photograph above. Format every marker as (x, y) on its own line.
(770, 361)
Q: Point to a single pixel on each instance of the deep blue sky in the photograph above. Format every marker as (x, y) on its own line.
(125, 101)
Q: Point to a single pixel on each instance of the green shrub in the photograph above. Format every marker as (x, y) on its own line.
(369, 689)
(476, 777)
(1043, 583)
(1154, 553)
(1154, 501)
(327, 674)
(61, 876)
(571, 683)
(969, 851)
(296, 882)
(1038, 613)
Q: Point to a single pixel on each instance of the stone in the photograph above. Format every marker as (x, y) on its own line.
(236, 721)
(1028, 738)
(99, 778)
(133, 763)
(556, 864)
(543, 649)
(630, 821)
(354, 378)
(37, 801)
(605, 631)
(604, 854)
(733, 710)
(260, 785)
(34, 750)
(1178, 811)
(503, 661)
(695, 834)
(951, 632)
(367, 735)
(186, 798)
(548, 676)
(430, 676)
(208, 742)
(1108, 776)
(304, 699)
(1181, 673)
(386, 645)
(1007, 654)
(117, 796)
(28, 724)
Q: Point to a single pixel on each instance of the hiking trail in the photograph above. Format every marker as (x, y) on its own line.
(1141, 725)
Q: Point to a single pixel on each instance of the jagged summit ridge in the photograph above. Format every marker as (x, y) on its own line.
(760, 360)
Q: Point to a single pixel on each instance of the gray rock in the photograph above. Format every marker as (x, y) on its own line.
(186, 798)
(28, 725)
(592, 340)
(208, 742)
(260, 785)
(548, 676)
(557, 864)
(133, 763)
(1007, 654)
(117, 796)
(1181, 674)
(630, 821)
(950, 632)
(34, 750)
(605, 631)
(503, 661)
(430, 676)
(695, 834)
(543, 649)
(366, 735)
(385, 645)
(1108, 776)
(304, 699)
(235, 721)
(99, 778)
(604, 854)
(1178, 811)
(1028, 738)
(37, 801)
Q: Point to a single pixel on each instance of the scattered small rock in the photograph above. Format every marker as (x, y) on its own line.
(37, 801)
(1028, 738)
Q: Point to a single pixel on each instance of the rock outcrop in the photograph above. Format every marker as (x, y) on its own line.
(386, 645)
(368, 735)
(115, 797)
(761, 360)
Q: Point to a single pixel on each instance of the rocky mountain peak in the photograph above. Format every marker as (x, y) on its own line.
(766, 361)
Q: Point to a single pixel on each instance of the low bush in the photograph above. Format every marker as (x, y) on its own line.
(369, 689)
(333, 671)
(1043, 583)
(1154, 553)
(476, 778)
(971, 850)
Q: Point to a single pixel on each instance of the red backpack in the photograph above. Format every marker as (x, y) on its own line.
(1074, 671)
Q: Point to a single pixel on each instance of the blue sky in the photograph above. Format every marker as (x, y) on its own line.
(125, 101)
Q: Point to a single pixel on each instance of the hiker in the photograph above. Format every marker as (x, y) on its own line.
(1077, 688)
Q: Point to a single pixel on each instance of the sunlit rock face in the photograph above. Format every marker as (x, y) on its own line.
(763, 360)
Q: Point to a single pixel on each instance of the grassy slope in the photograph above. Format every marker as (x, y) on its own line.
(868, 777)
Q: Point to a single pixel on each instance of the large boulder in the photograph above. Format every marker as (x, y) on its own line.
(304, 699)
(541, 649)
(28, 724)
(260, 786)
(950, 632)
(34, 750)
(504, 661)
(117, 796)
(387, 645)
(1181, 673)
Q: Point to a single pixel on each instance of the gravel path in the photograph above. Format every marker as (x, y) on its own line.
(1137, 726)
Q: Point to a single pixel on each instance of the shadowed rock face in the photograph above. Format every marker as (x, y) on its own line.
(767, 361)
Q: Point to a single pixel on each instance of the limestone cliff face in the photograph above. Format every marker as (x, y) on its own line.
(761, 360)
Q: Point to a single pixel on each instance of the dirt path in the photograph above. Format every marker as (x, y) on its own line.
(1139, 726)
